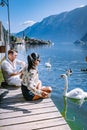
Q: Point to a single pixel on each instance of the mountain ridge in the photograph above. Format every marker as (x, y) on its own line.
(63, 27)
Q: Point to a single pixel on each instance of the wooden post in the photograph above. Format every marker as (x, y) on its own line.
(86, 58)
(2, 49)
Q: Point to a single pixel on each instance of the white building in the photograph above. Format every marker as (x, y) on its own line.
(3, 40)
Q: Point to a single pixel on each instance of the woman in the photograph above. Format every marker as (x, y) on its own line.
(32, 88)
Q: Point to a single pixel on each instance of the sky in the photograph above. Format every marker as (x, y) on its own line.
(24, 13)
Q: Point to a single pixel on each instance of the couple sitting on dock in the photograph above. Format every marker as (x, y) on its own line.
(27, 77)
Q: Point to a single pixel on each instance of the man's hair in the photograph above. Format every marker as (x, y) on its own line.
(11, 52)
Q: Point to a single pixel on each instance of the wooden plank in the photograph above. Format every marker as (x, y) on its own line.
(16, 113)
(21, 104)
(24, 119)
(37, 125)
(57, 127)
(27, 113)
(17, 98)
(4, 103)
(25, 108)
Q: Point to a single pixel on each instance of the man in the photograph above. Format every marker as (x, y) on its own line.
(9, 69)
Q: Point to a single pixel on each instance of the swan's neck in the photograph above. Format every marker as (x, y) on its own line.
(66, 86)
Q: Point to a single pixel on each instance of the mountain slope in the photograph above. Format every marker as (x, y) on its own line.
(84, 38)
(67, 26)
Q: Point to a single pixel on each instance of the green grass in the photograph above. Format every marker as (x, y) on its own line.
(1, 77)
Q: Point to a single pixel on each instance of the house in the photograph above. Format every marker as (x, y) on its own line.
(3, 40)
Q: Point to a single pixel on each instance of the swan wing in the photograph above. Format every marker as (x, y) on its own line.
(76, 93)
(85, 94)
(48, 64)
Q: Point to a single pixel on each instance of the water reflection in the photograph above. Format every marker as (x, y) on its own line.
(26, 47)
(64, 112)
(20, 47)
(65, 109)
(78, 101)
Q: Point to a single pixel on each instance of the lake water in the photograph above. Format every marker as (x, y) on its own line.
(63, 57)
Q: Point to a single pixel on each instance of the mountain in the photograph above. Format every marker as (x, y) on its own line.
(82, 41)
(63, 27)
(84, 38)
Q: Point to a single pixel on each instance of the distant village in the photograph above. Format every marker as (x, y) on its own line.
(16, 40)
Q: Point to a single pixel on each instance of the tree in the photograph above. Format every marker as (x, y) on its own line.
(27, 38)
(13, 38)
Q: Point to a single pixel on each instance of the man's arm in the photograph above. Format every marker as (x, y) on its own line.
(16, 73)
(22, 63)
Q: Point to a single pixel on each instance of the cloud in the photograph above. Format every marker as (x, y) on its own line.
(81, 5)
(28, 23)
(24, 25)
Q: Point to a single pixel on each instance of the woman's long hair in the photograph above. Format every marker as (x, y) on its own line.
(30, 62)
(31, 58)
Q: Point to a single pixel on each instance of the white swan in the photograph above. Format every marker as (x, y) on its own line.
(76, 93)
(47, 64)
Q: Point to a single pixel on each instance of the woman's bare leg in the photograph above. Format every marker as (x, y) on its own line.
(47, 89)
(36, 97)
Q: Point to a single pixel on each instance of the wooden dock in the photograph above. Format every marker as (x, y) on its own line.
(18, 114)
